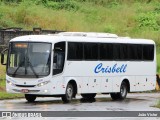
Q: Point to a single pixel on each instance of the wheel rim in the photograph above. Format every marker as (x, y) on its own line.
(123, 91)
(69, 93)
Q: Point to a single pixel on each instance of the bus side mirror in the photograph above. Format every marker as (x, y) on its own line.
(4, 57)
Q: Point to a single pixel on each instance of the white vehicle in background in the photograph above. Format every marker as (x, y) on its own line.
(70, 63)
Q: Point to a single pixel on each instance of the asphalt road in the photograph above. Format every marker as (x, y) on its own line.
(133, 102)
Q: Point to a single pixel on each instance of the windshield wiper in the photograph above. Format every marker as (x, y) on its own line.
(14, 74)
(31, 66)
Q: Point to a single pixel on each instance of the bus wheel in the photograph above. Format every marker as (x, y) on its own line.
(122, 94)
(114, 96)
(69, 93)
(123, 91)
(89, 96)
(30, 98)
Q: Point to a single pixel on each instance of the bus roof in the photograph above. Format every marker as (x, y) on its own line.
(81, 37)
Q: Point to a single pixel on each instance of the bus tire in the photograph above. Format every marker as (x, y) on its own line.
(123, 91)
(114, 96)
(122, 94)
(68, 94)
(89, 96)
(30, 98)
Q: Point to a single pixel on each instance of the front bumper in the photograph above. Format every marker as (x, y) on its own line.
(29, 90)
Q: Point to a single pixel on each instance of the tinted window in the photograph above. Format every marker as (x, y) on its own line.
(134, 52)
(139, 52)
(110, 51)
(90, 51)
(106, 51)
(123, 52)
(148, 52)
(75, 51)
(116, 51)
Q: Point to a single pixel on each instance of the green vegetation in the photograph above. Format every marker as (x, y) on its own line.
(134, 18)
(158, 104)
(158, 62)
(126, 18)
(3, 94)
(2, 72)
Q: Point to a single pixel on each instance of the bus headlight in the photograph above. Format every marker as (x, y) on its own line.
(10, 83)
(43, 83)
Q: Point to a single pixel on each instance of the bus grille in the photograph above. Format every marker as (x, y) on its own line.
(25, 85)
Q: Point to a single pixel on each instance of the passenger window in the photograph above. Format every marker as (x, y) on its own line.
(75, 51)
(116, 51)
(123, 52)
(90, 51)
(148, 52)
(106, 51)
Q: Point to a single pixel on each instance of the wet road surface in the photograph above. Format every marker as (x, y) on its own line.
(133, 102)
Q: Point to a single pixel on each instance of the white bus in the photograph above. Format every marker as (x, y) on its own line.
(70, 63)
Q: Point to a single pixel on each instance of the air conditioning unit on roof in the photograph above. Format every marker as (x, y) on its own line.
(89, 34)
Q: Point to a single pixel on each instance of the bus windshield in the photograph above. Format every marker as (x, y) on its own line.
(29, 59)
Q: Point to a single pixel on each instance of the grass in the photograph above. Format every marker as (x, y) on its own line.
(3, 93)
(158, 63)
(137, 19)
(122, 19)
(2, 72)
(158, 104)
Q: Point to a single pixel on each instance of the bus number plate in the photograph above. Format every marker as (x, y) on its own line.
(25, 90)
